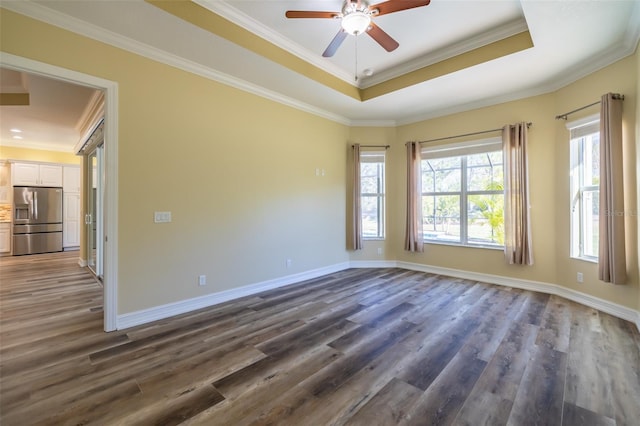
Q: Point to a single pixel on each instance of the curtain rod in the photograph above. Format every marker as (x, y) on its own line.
(564, 116)
(467, 134)
(374, 146)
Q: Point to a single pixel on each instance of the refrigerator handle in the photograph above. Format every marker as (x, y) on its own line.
(30, 199)
(35, 200)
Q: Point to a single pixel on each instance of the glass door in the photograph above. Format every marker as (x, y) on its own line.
(94, 217)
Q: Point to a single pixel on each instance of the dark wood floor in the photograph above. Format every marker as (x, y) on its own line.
(358, 347)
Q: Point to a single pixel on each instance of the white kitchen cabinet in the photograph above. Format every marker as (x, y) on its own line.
(5, 182)
(71, 179)
(71, 207)
(5, 238)
(71, 220)
(35, 174)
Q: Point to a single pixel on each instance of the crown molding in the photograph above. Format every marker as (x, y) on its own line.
(66, 22)
(632, 35)
(626, 47)
(93, 112)
(480, 40)
(374, 123)
(568, 77)
(256, 27)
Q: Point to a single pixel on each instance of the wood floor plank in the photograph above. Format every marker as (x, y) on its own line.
(441, 402)
(360, 347)
(389, 406)
(540, 395)
(588, 379)
(300, 406)
(533, 310)
(438, 351)
(483, 409)
(263, 388)
(337, 373)
(577, 416)
(501, 378)
(169, 410)
(555, 327)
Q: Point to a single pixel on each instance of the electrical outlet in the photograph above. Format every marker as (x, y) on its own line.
(288, 263)
(202, 280)
(580, 277)
(379, 251)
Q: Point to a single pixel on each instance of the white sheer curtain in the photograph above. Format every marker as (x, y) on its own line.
(611, 252)
(413, 230)
(518, 247)
(355, 240)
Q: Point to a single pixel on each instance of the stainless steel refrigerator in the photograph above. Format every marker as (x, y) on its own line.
(37, 220)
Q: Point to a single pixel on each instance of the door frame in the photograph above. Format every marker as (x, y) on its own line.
(110, 88)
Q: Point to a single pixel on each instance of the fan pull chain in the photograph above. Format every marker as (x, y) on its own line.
(356, 67)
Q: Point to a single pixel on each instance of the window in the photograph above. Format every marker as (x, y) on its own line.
(372, 194)
(463, 194)
(585, 190)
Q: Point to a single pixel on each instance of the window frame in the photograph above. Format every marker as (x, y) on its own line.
(370, 157)
(462, 150)
(579, 131)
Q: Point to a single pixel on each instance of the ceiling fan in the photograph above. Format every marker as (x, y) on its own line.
(357, 17)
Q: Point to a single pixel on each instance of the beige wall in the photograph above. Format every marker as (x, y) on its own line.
(236, 171)
(378, 136)
(620, 77)
(27, 154)
(549, 159)
(539, 111)
(238, 174)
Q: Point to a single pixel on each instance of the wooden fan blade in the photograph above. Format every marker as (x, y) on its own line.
(310, 14)
(335, 43)
(397, 5)
(383, 39)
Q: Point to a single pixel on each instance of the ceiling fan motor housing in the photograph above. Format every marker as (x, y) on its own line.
(356, 17)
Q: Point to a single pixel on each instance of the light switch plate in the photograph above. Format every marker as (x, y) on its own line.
(162, 217)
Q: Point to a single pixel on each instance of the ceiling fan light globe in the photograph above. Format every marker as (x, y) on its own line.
(356, 22)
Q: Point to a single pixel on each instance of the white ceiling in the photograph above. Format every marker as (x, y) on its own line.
(54, 117)
(571, 39)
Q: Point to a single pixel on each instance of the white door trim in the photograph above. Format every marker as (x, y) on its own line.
(110, 278)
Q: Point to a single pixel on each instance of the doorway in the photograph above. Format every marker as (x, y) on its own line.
(109, 265)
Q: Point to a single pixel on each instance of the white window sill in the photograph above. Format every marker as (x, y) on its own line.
(452, 244)
(586, 259)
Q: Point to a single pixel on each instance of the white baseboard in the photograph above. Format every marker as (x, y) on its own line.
(176, 308)
(576, 296)
(373, 264)
(171, 309)
(82, 262)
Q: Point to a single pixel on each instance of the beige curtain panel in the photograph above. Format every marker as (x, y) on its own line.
(356, 202)
(611, 251)
(518, 247)
(413, 228)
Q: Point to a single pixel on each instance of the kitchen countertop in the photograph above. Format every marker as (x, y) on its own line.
(5, 213)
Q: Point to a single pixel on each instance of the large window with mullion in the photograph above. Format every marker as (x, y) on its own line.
(463, 193)
(372, 194)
